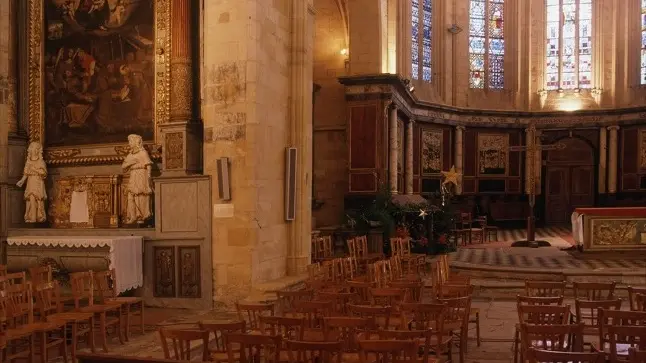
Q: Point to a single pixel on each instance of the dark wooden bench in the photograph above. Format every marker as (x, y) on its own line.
(105, 358)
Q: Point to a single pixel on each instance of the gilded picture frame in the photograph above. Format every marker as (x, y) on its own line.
(493, 154)
(95, 153)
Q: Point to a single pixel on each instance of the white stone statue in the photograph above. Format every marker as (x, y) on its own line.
(34, 174)
(139, 188)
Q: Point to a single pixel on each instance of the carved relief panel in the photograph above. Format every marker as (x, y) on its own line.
(493, 154)
(177, 272)
(431, 150)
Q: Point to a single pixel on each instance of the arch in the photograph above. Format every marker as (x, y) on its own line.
(578, 151)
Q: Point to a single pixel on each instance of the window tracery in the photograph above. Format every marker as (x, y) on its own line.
(486, 44)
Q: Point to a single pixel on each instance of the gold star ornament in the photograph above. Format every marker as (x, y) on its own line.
(451, 176)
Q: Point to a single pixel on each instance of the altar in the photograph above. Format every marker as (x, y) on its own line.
(609, 228)
(80, 253)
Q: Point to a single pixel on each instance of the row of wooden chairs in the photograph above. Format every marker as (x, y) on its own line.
(545, 323)
(322, 248)
(37, 318)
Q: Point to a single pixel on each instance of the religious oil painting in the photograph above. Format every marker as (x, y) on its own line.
(431, 151)
(492, 153)
(99, 71)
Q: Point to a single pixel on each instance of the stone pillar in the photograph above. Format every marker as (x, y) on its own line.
(603, 158)
(180, 136)
(302, 38)
(393, 148)
(459, 130)
(612, 162)
(409, 157)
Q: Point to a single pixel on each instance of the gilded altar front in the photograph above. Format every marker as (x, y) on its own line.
(102, 201)
(613, 228)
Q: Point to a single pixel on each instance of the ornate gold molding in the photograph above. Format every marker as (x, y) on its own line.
(69, 155)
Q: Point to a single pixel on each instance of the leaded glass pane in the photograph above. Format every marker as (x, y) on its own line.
(415, 39)
(568, 80)
(553, 14)
(552, 65)
(426, 41)
(552, 81)
(486, 44)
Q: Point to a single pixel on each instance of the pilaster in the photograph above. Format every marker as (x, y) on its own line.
(603, 158)
(181, 136)
(409, 157)
(528, 142)
(459, 131)
(538, 157)
(393, 148)
(612, 162)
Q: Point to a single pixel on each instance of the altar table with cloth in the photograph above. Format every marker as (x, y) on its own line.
(609, 228)
(124, 254)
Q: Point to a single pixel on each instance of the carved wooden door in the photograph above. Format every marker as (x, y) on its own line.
(581, 187)
(557, 194)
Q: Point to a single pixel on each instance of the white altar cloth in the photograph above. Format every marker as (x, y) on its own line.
(126, 254)
(577, 228)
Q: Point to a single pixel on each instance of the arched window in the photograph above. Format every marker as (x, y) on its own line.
(643, 43)
(421, 39)
(486, 44)
(569, 44)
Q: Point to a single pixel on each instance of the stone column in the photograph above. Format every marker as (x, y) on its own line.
(612, 162)
(459, 130)
(181, 151)
(301, 64)
(528, 162)
(393, 148)
(409, 157)
(603, 158)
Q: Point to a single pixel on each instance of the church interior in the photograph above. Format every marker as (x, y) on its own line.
(323, 180)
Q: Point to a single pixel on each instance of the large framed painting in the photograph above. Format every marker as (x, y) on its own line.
(431, 149)
(493, 154)
(97, 73)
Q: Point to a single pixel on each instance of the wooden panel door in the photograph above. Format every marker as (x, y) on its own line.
(582, 187)
(557, 194)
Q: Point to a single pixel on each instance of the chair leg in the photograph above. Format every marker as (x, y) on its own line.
(91, 335)
(63, 346)
(75, 339)
(478, 328)
(141, 316)
(127, 314)
(43, 346)
(103, 328)
(516, 344)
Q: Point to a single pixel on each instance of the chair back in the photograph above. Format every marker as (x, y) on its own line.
(286, 299)
(457, 310)
(547, 356)
(220, 332)
(180, 343)
(250, 313)
(413, 289)
(48, 298)
(537, 300)
(387, 350)
(40, 274)
(622, 338)
(424, 316)
(544, 314)
(82, 288)
(425, 337)
(587, 311)
(315, 311)
(104, 285)
(345, 329)
(594, 290)
(251, 347)
(379, 316)
(632, 297)
(545, 288)
(450, 291)
(561, 337)
(387, 296)
(313, 352)
(287, 328)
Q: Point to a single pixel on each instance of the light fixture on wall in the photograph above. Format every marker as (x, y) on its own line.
(344, 52)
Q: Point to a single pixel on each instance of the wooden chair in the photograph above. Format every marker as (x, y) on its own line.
(345, 329)
(545, 288)
(562, 338)
(286, 327)
(314, 311)
(250, 313)
(181, 343)
(640, 302)
(622, 338)
(106, 282)
(250, 347)
(413, 289)
(489, 230)
(425, 316)
(594, 290)
(313, 352)
(422, 337)
(479, 232)
(546, 356)
(538, 315)
(632, 297)
(587, 312)
(48, 334)
(50, 308)
(636, 356)
(379, 316)
(387, 296)
(285, 299)
(218, 347)
(105, 314)
(539, 300)
(387, 350)
(456, 320)
(340, 299)
(361, 289)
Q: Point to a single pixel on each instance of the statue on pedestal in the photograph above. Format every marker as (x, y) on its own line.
(139, 189)
(34, 174)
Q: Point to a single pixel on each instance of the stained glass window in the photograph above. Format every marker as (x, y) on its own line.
(486, 44)
(421, 31)
(643, 44)
(568, 63)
